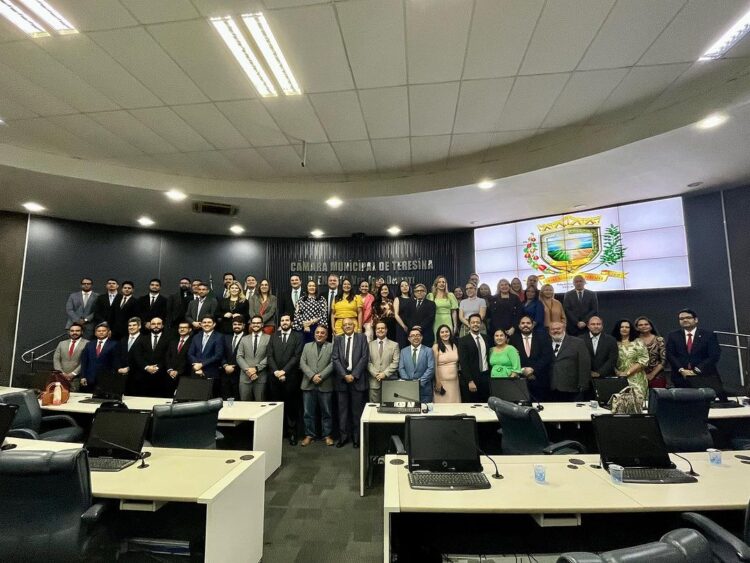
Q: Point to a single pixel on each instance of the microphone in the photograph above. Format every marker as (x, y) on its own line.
(412, 399)
(692, 472)
(141, 455)
(496, 475)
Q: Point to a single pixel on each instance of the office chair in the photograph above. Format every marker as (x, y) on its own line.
(523, 431)
(683, 415)
(47, 509)
(29, 422)
(186, 425)
(725, 546)
(678, 546)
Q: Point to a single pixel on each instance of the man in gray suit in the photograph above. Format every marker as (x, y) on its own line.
(252, 359)
(571, 369)
(198, 308)
(80, 307)
(350, 362)
(67, 358)
(383, 362)
(317, 386)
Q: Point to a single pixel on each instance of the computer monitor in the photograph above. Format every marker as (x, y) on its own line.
(630, 440)
(511, 389)
(605, 387)
(110, 385)
(399, 391)
(442, 443)
(709, 381)
(191, 389)
(118, 430)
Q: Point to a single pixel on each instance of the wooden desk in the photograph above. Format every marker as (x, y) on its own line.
(233, 493)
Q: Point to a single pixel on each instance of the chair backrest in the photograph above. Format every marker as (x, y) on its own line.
(44, 495)
(186, 425)
(683, 417)
(29, 413)
(522, 429)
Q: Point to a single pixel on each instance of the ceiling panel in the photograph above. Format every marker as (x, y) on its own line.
(392, 153)
(582, 95)
(184, 164)
(386, 111)
(500, 32)
(9, 32)
(63, 141)
(199, 51)
(89, 15)
(340, 114)
(355, 156)
(211, 124)
(250, 162)
(530, 100)
(430, 152)
(285, 160)
(12, 110)
(480, 104)
(140, 54)
(16, 88)
(168, 125)
(695, 28)
(90, 131)
(629, 30)
(252, 119)
(218, 165)
(432, 108)
(469, 143)
(564, 31)
(322, 160)
(271, 4)
(374, 36)
(155, 11)
(436, 35)
(127, 127)
(310, 40)
(296, 118)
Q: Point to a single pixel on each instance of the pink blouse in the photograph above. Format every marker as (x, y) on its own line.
(367, 302)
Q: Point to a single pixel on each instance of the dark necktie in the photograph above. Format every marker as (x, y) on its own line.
(235, 341)
(414, 357)
(380, 348)
(255, 345)
(580, 296)
(152, 300)
(99, 348)
(419, 302)
(156, 341)
(557, 348)
(347, 350)
(283, 338)
(122, 303)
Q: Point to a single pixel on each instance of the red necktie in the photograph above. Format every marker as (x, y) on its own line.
(689, 343)
(98, 348)
(72, 347)
(179, 346)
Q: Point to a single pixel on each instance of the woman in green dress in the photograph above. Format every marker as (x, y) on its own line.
(446, 306)
(632, 357)
(504, 358)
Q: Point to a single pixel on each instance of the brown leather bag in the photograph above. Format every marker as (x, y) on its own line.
(48, 395)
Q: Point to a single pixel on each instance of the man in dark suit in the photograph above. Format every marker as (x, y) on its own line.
(149, 360)
(350, 356)
(106, 302)
(571, 370)
(177, 304)
(126, 348)
(123, 311)
(602, 349)
(473, 349)
(229, 382)
(692, 351)
(535, 350)
(177, 364)
(205, 305)
(289, 297)
(580, 305)
(417, 361)
(99, 356)
(420, 312)
(206, 351)
(284, 352)
(151, 305)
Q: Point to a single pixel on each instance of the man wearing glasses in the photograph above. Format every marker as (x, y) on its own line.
(692, 351)
(252, 360)
(420, 312)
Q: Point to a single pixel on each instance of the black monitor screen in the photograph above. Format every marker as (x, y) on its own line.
(118, 427)
(193, 389)
(630, 441)
(7, 413)
(442, 443)
(110, 385)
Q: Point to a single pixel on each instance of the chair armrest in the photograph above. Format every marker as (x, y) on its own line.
(27, 433)
(579, 557)
(718, 534)
(398, 445)
(94, 513)
(564, 445)
(58, 420)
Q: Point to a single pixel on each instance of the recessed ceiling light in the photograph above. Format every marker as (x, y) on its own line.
(713, 120)
(317, 233)
(2, 122)
(394, 230)
(268, 45)
(486, 185)
(694, 184)
(176, 195)
(334, 202)
(728, 40)
(50, 16)
(21, 19)
(34, 207)
(145, 221)
(237, 229)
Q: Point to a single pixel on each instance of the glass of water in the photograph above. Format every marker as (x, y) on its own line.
(230, 401)
(714, 456)
(616, 471)
(540, 473)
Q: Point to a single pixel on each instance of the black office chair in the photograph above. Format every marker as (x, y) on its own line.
(523, 432)
(47, 510)
(678, 546)
(186, 425)
(726, 547)
(29, 422)
(683, 416)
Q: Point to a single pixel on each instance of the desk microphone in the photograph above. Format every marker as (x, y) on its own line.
(412, 399)
(141, 455)
(692, 473)
(496, 475)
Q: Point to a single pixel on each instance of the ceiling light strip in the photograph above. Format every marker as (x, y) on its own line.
(728, 40)
(52, 17)
(237, 44)
(268, 45)
(21, 19)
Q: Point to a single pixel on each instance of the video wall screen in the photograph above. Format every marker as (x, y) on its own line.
(636, 246)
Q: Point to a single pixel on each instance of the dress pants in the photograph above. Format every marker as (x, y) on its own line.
(253, 390)
(314, 402)
(482, 394)
(375, 395)
(278, 391)
(351, 403)
(228, 385)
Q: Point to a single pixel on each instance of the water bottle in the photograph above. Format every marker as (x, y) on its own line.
(57, 394)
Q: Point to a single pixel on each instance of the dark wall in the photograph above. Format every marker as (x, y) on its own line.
(13, 237)
(737, 206)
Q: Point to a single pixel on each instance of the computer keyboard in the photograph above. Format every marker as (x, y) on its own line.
(400, 410)
(109, 463)
(93, 401)
(656, 475)
(448, 481)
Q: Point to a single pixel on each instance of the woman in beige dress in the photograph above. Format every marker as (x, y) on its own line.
(553, 309)
(446, 367)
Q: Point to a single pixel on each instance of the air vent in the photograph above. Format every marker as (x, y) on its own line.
(214, 208)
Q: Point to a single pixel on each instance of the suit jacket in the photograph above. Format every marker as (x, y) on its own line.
(270, 312)
(178, 360)
(210, 307)
(103, 310)
(75, 310)
(126, 357)
(177, 305)
(230, 352)
(108, 360)
(143, 354)
(704, 355)
(120, 316)
(571, 370)
(540, 359)
(424, 371)
(604, 361)
(224, 324)
(387, 363)
(212, 356)
(285, 357)
(313, 362)
(258, 360)
(579, 310)
(423, 316)
(468, 358)
(360, 356)
(285, 303)
(61, 361)
(146, 311)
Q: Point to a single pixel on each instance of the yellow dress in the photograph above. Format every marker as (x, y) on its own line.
(344, 309)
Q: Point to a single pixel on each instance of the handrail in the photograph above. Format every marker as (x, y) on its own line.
(31, 351)
(743, 357)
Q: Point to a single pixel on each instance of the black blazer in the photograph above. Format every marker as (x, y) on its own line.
(423, 316)
(541, 357)
(177, 304)
(286, 304)
(360, 357)
(285, 357)
(147, 312)
(230, 353)
(604, 362)
(178, 361)
(224, 324)
(103, 311)
(120, 315)
(571, 370)
(576, 311)
(468, 358)
(703, 356)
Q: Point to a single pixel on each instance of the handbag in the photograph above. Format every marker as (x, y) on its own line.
(56, 376)
(627, 401)
(48, 395)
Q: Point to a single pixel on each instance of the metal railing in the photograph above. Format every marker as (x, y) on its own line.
(30, 356)
(743, 352)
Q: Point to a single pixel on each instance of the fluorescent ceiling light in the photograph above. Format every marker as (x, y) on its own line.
(2, 122)
(486, 185)
(145, 221)
(713, 120)
(21, 19)
(239, 47)
(237, 229)
(728, 40)
(50, 16)
(394, 230)
(268, 45)
(334, 202)
(317, 233)
(34, 207)
(176, 195)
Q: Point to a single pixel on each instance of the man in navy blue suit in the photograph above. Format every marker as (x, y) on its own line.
(206, 350)
(417, 362)
(230, 373)
(350, 357)
(692, 351)
(100, 355)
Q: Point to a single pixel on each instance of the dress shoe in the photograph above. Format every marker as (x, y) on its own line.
(329, 441)
(292, 440)
(355, 443)
(306, 441)
(342, 442)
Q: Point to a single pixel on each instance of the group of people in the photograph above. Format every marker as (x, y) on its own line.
(325, 353)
